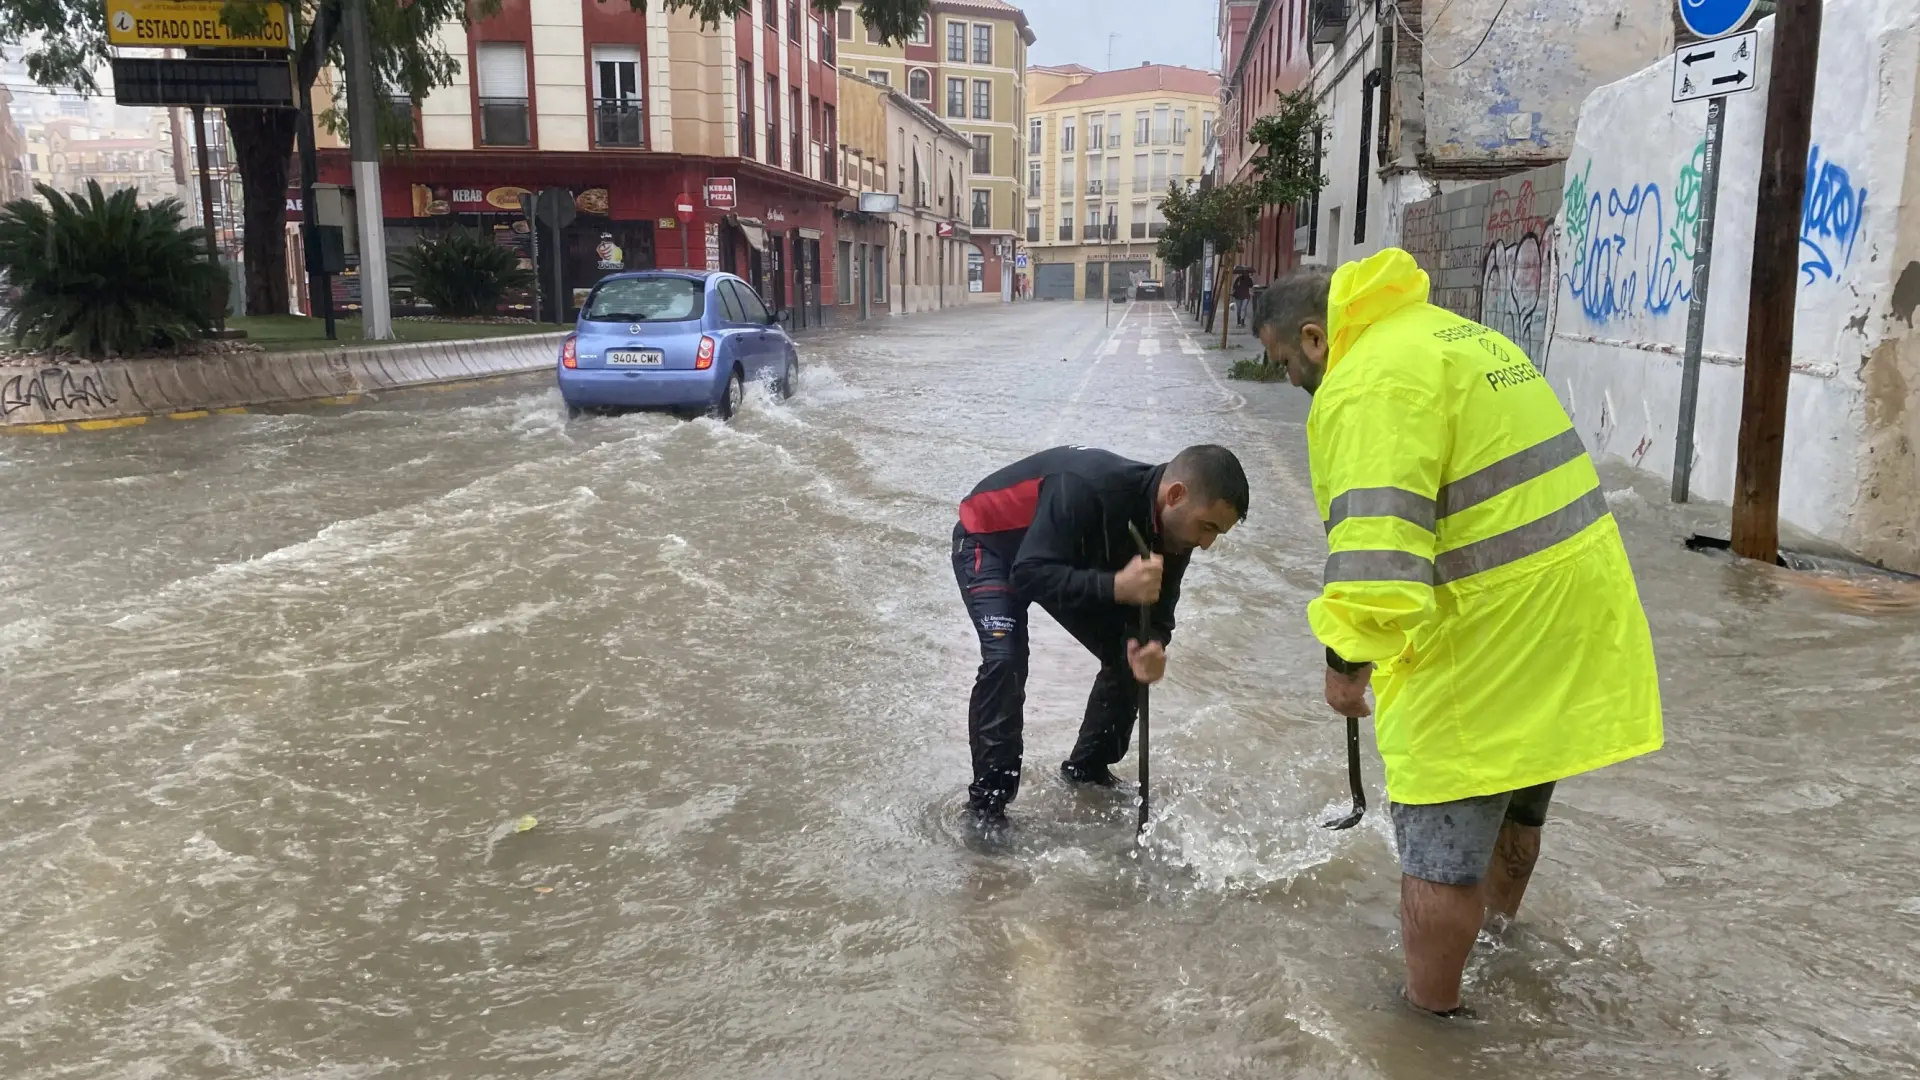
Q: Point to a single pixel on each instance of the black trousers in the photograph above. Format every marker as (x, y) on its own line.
(995, 716)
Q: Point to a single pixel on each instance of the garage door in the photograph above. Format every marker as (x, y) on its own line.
(1053, 281)
(1124, 274)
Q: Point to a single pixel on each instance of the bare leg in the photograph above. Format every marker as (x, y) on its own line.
(1438, 924)
(1510, 868)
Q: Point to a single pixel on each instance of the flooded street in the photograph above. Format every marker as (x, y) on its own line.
(280, 691)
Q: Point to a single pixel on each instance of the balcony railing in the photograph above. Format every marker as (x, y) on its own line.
(1154, 229)
(1141, 185)
(773, 144)
(400, 109)
(1139, 230)
(1033, 191)
(504, 122)
(617, 123)
(1066, 232)
(1033, 234)
(1066, 186)
(746, 135)
(982, 217)
(827, 166)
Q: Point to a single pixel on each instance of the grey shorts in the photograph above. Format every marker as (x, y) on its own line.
(1451, 843)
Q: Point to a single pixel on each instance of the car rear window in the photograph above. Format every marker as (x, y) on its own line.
(666, 299)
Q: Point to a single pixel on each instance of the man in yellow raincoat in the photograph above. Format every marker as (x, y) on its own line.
(1476, 580)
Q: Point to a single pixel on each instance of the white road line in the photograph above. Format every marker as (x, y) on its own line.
(1108, 348)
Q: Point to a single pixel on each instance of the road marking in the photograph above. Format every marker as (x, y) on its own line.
(190, 414)
(108, 425)
(1108, 348)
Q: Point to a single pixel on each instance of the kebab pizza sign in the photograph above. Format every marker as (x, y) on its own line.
(440, 200)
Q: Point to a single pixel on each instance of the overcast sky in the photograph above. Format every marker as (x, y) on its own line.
(1161, 31)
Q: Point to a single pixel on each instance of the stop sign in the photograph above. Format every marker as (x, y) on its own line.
(683, 207)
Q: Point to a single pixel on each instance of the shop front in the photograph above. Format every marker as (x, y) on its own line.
(761, 223)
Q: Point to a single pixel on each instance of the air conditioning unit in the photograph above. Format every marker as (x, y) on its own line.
(1330, 20)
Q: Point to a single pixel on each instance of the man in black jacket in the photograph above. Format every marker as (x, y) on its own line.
(1052, 530)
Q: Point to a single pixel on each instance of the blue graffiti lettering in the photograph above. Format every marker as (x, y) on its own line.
(1831, 214)
(1621, 262)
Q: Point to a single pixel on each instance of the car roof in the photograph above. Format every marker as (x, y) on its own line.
(684, 274)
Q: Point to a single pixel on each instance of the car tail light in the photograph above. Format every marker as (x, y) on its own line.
(705, 359)
(570, 352)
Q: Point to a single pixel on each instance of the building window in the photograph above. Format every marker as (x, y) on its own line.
(616, 96)
(1139, 173)
(1066, 176)
(1093, 176)
(1206, 128)
(982, 209)
(1066, 135)
(829, 138)
(983, 43)
(957, 98)
(920, 85)
(1096, 136)
(1035, 127)
(879, 274)
(843, 273)
(983, 155)
(881, 76)
(1179, 126)
(1161, 127)
(504, 117)
(772, 15)
(923, 33)
(1159, 171)
(1033, 179)
(743, 98)
(1033, 226)
(843, 23)
(957, 42)
(1139, 218)
(772, 120)
(1113, 176)
(1066, 221)
(793, 20)
(1141, 128)
(1113, 131)
(1178, 173)
(797, 158)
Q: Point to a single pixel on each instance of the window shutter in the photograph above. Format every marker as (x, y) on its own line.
(503, 70)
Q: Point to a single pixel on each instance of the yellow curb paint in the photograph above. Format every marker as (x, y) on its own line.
(234, 410)
(108, 425)
(35, 429)
(190, 414)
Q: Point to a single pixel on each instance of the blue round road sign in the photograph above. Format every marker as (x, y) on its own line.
(1712, 18)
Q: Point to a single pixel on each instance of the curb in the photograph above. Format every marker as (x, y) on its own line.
(52, 399)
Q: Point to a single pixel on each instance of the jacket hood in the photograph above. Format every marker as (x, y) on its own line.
(1365, 292)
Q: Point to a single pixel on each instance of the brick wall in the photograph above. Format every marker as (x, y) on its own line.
(1490, 253)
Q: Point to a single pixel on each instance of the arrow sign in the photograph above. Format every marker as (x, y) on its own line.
(1722, 67)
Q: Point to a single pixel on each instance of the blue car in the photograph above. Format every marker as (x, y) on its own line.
(686, 340)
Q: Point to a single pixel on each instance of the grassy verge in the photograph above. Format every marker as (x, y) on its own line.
(290, 333)
(1254, 370)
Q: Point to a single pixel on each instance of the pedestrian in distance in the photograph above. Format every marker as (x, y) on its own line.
(1476, 581)
(1056, 529)
(1242, 293)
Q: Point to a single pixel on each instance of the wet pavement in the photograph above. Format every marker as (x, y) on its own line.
(281, 690)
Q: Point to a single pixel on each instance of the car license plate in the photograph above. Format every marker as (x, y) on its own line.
(635, 358)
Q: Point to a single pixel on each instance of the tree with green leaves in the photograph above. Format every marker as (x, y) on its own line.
(65, 44)
(1222, 215)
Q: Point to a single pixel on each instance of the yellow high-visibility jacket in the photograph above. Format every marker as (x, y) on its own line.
(1473, 557)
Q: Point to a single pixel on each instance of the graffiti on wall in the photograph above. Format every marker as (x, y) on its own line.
(1621, 258)
(54, 388)
(1518, 282)
(1628, 252)
(1831, 213)
(1420, 233)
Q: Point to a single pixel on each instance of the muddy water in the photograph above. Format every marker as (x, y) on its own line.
(280, 689)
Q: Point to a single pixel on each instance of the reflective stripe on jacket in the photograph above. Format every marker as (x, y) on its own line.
(1472, 554)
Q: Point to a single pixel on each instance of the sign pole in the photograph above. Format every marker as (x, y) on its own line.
(1776, 274)
(1697, 307)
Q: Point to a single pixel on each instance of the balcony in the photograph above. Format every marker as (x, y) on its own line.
(400, 110)
(1096, 187)
(982, 217)
(1155, 229)
(1033, 234)
(827, 169)
(1066, 232)
(1066, 188)
(617, 123)
(1033, 191)
(1328, 20)
(1139, 230)
(1140, 185)
(504, 122)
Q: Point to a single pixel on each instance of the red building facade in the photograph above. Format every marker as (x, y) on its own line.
(1264, 44)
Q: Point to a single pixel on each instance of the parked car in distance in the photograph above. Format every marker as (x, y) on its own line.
(1149, 290)
(686, 340)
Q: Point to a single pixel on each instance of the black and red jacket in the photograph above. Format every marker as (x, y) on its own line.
(1059, 519)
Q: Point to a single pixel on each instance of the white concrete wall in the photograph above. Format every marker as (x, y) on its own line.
(1625, 249)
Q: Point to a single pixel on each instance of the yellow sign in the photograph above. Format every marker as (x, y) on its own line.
(189, 23)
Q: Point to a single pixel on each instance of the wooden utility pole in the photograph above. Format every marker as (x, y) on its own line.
(1776, 275)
